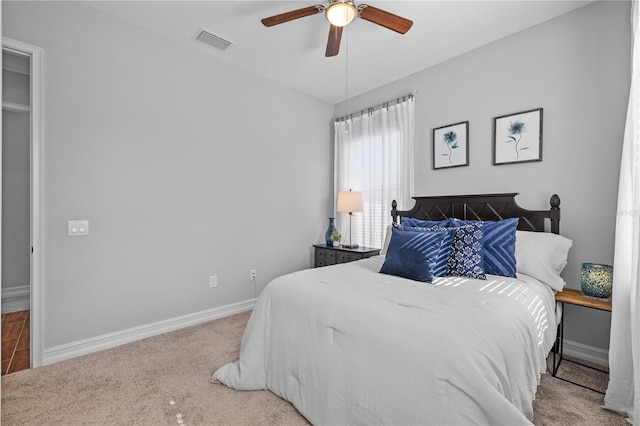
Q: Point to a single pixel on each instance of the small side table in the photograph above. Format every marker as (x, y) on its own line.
(574, 297)
(330, 255)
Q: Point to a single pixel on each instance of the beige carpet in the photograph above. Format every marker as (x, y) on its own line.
(165, 380)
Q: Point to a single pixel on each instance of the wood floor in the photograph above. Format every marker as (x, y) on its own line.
(15, 341)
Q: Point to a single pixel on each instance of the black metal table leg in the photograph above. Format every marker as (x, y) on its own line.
(558, 351)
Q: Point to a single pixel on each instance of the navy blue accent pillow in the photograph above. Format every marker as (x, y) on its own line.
(409, 221)
(499, 245)
(412, 254)
(440, 267)
(466, 259)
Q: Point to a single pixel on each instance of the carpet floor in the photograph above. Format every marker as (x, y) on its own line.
(165, 380)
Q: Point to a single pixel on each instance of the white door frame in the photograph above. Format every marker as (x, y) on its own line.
(37, 196)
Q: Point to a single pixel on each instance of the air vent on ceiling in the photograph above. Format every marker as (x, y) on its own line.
(210, 39)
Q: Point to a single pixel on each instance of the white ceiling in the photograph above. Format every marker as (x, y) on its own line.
(293, 53)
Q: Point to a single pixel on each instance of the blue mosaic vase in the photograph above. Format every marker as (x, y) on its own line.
(597, 280)
(330, 229)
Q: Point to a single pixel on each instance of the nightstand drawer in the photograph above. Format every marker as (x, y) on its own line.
(344, 257)
(330, 257)
(325, 257)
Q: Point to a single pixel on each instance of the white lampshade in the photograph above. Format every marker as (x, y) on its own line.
(341, 13)
(350, 201)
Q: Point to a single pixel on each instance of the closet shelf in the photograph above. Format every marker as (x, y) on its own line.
(12, 106)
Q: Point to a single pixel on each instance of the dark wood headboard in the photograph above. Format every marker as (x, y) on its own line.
(482, 207)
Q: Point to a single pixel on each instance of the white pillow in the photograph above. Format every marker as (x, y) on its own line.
(543, 256)
(387, 239)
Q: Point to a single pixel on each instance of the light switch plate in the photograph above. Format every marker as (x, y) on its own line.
(77, 228)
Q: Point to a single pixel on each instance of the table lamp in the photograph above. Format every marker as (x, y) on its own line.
(350, 202)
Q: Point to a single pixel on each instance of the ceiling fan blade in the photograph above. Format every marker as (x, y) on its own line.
(384, 18)
(333, 44)
(294, 14)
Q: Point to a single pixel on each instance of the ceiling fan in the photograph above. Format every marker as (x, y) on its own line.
(340, 13)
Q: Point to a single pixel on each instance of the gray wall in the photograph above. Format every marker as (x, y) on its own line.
(180, 162)
(577, 67)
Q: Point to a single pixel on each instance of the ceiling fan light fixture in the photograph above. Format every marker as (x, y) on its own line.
(341, 13)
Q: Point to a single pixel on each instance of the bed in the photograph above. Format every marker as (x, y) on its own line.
(346, 344)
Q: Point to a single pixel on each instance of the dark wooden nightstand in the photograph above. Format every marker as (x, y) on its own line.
(574, 297)
(329, 255)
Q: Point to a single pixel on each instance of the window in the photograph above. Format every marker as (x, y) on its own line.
(374, 154)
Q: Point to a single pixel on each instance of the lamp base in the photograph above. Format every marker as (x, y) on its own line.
(350, 246)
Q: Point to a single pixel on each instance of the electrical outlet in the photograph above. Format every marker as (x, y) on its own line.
(252, 274)
(213, 281)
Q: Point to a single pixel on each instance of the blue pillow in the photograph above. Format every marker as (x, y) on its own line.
(409, 221)
(412, 254)
(466, 259)
(499, 245)
(440, 267)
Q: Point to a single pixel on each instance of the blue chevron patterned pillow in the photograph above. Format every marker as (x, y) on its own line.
(467, 254)
(412, 254)
(499, 245)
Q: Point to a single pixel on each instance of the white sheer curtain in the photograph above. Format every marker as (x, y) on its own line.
(623, 392)
(374, 154)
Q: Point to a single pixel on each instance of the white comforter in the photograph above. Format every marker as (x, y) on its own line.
(348, 345)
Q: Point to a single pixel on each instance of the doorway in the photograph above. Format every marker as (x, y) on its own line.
(22, 226)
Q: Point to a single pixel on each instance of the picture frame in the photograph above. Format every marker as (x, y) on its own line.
(517, 138)
(451, 146)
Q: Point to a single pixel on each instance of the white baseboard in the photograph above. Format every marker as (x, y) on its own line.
(111, 340)
(586, 352)
(94, 344)
(17, 291)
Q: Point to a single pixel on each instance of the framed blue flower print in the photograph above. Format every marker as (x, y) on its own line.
(451, 145)
(517, 138)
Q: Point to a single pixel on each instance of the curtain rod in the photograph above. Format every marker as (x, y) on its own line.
(379, 106)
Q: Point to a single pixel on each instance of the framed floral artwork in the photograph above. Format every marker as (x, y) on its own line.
(517, 138)
(451, 145)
